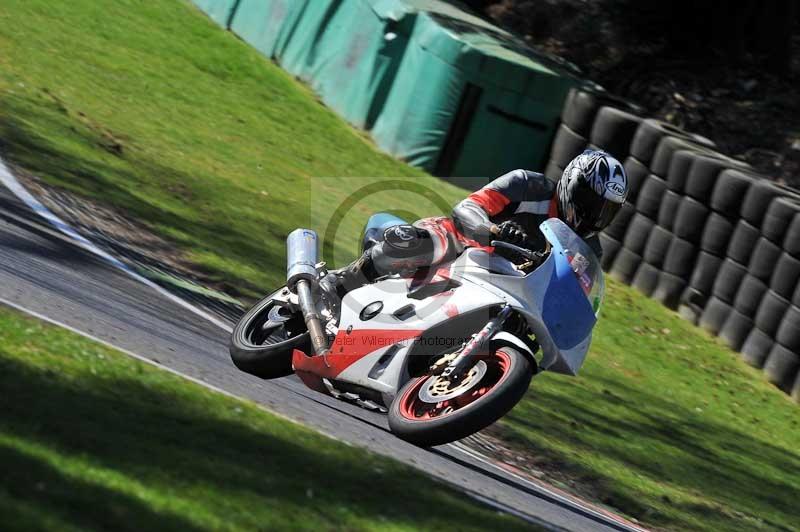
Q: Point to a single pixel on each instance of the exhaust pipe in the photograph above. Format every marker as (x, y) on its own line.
(302, 278)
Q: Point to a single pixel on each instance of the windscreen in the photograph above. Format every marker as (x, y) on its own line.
(581, 258)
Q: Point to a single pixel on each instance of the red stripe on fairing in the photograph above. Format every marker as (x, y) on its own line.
(490, 200)
(347, 349)
(309, 378)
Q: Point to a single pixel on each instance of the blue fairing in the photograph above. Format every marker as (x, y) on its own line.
(566, 311)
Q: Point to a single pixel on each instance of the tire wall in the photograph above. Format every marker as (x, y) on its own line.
(701, 232)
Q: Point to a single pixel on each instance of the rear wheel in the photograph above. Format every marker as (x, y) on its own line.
(263, 340)
(430, 410)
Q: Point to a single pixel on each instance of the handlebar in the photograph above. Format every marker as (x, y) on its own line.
(527, 253)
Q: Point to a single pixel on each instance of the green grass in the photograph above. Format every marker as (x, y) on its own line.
(91, 439)
(152, 109)
(667, 424)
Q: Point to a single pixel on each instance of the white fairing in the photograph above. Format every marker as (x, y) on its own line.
(526, 294)
(550, 300)
(387, 376)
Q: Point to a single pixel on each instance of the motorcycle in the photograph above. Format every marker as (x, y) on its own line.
(444, 353)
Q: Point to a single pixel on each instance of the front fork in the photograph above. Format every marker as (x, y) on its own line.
(478, 344)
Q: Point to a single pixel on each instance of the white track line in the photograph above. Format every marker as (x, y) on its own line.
(106, 343)
(11, 182)
(565, 500)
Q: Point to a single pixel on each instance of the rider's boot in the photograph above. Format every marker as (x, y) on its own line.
(358, 273)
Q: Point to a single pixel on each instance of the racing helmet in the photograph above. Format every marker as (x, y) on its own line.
(591, 191)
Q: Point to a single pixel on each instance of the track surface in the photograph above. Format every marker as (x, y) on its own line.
(43, 272)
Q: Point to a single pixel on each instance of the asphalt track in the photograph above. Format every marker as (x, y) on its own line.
(46, 274)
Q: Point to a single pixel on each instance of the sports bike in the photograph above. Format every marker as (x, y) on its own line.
(444, 352)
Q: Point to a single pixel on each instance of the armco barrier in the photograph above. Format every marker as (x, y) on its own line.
(436, 86)
(702, 233)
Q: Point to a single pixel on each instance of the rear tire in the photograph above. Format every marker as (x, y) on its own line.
(263, 347)
(506, 380)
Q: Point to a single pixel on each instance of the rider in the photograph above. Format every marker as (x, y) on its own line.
(589, 193)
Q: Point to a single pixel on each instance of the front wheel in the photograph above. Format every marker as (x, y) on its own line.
(429, 410)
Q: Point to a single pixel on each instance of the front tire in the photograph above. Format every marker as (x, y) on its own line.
(265, 337)
(503, 380)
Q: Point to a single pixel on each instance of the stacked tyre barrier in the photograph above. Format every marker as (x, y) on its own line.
(701, 232)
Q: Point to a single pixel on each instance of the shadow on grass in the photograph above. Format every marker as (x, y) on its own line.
(667, 443)
(30, 481)
(179, 447)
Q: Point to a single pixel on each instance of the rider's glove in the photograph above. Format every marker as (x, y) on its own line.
(512, 232)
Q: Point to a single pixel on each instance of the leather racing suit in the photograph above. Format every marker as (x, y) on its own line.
(525, 197)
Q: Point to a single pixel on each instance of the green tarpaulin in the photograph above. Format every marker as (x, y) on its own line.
(469, 99)
(267, 24)
(347, 50)
(220, 11)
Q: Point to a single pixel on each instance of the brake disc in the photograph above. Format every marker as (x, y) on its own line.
(438, 388)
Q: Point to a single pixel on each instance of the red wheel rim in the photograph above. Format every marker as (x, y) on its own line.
(414, 409)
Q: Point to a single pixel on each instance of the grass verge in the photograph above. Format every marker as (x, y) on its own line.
(667, 424)
(152, 109)
(91, 439)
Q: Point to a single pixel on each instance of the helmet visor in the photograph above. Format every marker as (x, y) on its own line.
(595, 212)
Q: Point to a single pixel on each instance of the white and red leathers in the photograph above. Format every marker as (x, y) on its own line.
(525, 197)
